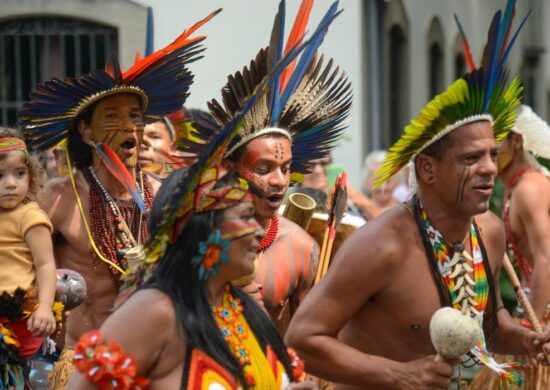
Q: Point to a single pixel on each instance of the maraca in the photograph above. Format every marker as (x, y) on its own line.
(453, 333)
(70, 288)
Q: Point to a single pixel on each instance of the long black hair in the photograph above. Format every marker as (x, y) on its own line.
(178, 278)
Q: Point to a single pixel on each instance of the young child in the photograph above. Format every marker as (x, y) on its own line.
(27, 266)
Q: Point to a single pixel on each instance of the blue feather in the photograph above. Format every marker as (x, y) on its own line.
(275, 53)
(505, 55)
(491, 52)
(305, 59)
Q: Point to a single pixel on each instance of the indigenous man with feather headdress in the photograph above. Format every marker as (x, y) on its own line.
(366, 324)
(294, 124)
(99, 211)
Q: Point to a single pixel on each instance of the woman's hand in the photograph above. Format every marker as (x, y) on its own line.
(41, 322)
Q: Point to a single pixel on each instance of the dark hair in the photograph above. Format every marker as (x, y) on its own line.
(178, 278)
(436, 149)
(37, 175)
(80, 153)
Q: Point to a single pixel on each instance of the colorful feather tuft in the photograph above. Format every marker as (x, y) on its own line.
(115, 166)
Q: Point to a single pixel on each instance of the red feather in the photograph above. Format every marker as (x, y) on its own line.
(138, 57)
(179, 42)
(118, 169)
(296, 35)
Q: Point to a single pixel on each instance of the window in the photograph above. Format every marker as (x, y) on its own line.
(397, 47)
(436, 65)
(33, 50)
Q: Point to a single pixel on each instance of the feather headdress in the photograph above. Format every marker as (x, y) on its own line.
(161, 81)
(483, 93)
(534, 131)
(194, 193)
(308, 102)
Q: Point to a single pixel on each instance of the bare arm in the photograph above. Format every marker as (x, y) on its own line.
(362, 267)
(532, 207)
(39, 240)
(511, 338)
(144, 327)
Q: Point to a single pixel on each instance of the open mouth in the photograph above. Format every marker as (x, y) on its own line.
(128, 144)
(274, 200)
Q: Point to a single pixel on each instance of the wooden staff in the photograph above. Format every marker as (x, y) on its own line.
(522, 298)
(337, 201)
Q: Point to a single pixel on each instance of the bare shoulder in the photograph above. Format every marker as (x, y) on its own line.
(159, 306)
(533, 189)
(385, 238)
(491, 226)
(288, 228)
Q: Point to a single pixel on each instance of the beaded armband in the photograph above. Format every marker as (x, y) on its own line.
(105, 365)
(297, 364)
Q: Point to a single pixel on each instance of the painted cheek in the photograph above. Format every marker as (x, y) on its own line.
(234, 229)
(254, 179)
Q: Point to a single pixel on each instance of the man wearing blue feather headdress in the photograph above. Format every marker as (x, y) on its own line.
(99, 212)
(296, 123)
(367, 325)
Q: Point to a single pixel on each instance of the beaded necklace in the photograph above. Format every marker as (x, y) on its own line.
(108, 223)
(228, 317)
(467, 295)
(270, 234)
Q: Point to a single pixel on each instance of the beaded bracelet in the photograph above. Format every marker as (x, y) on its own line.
(297, 365)
(105, 365)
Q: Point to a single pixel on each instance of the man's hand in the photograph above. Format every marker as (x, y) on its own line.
(41, 322)
(424, 373)
(538, 345)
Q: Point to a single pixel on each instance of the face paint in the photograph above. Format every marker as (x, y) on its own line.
(505, 155)
(118, 122)
(266, 166)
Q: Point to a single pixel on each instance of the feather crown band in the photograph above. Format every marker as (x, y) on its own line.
(10, 143)
(483, 93)
(161, 81)
(534, 131)
(194, 192)
(249, 137)
(309, 99)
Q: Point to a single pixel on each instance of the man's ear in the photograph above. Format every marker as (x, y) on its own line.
(517, 141)
(425, 168)
(85, 132)
(229, 165)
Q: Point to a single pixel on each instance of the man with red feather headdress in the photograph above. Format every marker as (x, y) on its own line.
(99, 211)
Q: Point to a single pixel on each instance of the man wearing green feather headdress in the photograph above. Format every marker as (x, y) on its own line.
(441, 248)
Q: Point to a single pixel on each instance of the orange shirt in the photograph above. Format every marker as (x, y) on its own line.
(16, 265)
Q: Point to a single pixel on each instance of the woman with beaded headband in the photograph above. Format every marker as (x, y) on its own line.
(442, 248)
(225, 338)
(99, 211)
(203, 236)
(28, 281)
(296, 123)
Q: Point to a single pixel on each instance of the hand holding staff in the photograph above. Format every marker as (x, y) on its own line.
(522, 298)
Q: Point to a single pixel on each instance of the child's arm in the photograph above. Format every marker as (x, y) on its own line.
(38, 238)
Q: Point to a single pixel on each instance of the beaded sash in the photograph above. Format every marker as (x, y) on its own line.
(468, 295)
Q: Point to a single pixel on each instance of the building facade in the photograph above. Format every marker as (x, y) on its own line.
(397, 53)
